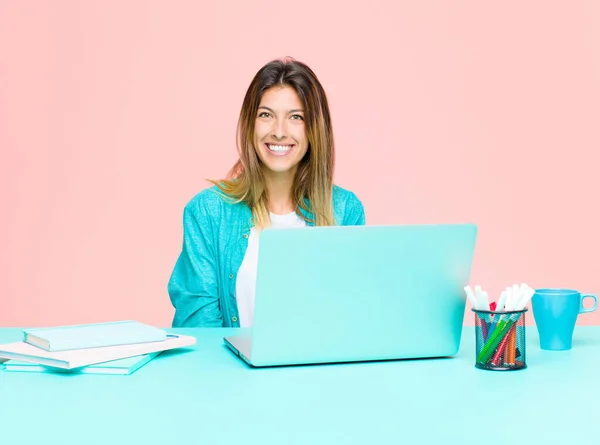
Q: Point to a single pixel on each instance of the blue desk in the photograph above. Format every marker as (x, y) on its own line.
(206, 395)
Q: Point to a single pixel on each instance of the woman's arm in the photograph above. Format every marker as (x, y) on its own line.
(193, 286)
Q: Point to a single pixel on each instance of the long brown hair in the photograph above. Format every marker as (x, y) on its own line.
(313, 182)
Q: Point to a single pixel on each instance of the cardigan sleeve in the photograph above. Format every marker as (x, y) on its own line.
(193, 286)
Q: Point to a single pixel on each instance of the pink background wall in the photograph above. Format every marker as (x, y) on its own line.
(113, 113)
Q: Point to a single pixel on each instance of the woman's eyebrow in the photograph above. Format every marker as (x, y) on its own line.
(296, 110)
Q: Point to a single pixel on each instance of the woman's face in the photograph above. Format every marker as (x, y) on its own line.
(279, 130)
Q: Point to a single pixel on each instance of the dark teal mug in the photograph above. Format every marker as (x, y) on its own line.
(555, 312)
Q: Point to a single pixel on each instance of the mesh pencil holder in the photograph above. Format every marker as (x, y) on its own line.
(500, 340)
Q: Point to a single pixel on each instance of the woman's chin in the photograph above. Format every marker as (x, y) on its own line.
(279, 168)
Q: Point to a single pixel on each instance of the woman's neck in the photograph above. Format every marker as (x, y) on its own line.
(279, 190)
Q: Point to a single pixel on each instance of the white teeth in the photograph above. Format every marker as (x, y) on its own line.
(279, 148)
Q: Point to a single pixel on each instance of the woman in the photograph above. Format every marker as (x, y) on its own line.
(283, 178)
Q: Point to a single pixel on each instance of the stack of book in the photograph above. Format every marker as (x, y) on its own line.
(120, 347)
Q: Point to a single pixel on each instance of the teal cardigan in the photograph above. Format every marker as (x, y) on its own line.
(215, 239)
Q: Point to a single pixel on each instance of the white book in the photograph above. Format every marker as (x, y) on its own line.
(83, 357)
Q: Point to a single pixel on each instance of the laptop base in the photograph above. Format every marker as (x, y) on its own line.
(241, 345)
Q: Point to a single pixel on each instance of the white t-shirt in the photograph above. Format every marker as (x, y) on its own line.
(246, 278)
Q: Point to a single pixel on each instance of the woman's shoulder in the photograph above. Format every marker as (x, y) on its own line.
(212, 202)
(344, 196)
(208, 200)
(347, 207)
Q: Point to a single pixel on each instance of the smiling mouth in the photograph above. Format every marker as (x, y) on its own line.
(279, 148)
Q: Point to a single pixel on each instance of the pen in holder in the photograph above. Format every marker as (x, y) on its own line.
(500, 340)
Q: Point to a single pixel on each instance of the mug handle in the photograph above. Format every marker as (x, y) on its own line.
(583, 310)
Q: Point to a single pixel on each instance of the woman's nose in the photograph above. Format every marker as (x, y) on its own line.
(279, 130)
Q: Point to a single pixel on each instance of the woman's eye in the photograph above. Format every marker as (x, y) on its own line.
(264, 114)
(297, 117)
